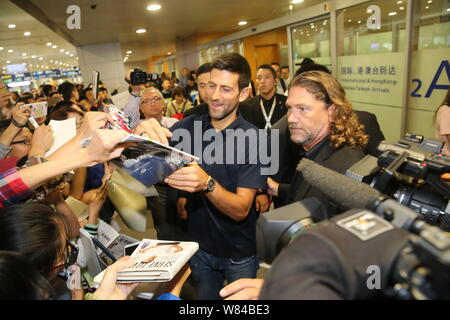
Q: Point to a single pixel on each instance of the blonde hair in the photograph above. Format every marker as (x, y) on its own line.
(345, 128)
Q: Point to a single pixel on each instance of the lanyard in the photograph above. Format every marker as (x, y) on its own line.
(268, 118)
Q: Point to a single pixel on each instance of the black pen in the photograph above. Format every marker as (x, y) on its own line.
(104, 249)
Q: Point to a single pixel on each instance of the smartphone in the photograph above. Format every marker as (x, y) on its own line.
(38, 109)
(129, 249)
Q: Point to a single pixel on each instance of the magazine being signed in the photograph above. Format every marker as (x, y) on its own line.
(149, 161)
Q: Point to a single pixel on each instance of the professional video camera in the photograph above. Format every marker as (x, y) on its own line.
(415, 265)
(138, 77)
(410, 172)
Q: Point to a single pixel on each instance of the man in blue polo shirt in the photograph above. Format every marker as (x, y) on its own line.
(221, 189)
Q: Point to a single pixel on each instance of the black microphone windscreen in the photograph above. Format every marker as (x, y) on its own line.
(340, 188)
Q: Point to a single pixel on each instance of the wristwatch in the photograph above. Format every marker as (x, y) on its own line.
(210, 184)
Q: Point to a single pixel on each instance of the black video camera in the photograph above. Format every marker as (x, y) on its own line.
(138, 77)
(410, 172)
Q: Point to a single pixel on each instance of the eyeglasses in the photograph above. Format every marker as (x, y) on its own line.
(71, 255)
(154, 100)
(26, 141)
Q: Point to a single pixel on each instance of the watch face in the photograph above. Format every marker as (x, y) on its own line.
(211, 184)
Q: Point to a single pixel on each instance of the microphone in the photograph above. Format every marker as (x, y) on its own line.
(354, 194)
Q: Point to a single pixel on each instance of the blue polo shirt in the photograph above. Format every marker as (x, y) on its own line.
(216, 233)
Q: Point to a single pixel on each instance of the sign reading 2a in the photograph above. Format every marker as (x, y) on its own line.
(444, 66)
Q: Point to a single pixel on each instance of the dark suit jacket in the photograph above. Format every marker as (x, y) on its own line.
(338, 160)
(291, 153)
(251, 110)
(372, 129)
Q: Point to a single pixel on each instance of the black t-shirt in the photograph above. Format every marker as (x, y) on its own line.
(215, 232)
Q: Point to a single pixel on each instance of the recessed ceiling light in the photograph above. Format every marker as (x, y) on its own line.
(49, 44)
(71, 55)
(51, 61)
(33, 57)
(153, 7)
(427, 7)
(141, 31)
(40, 58)
(8, 61)
(26, 34)
(359, 21)
(296, 1)
(67, 52)
(399, 2)
(54, 46)
(349, 20)
(429, 1)
(24, 54)
(62, 50)
(24, 64)
(448, 9)
(1, 48)
(392, 13)
(402, 8)
(242, 23)
(11, 26)
(129, 52)
(169, 53)
(10, 50)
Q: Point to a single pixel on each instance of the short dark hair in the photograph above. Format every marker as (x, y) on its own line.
(102, 89)
(204, 68)
(26, 99)
(235, 63)
(312, 67)
(285, 67)
(268, 67)
(275, 64)
(178, 91)
(86, 90)
(47, 89)
(66, 90)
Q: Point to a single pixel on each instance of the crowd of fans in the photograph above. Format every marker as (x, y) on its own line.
(38, 228)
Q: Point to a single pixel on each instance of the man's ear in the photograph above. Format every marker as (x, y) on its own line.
(331, 112)
(243, 95)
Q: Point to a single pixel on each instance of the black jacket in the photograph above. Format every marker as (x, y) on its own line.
(251, 110)
(338, 160)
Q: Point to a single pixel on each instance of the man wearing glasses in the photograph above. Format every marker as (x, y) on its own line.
(152, 106)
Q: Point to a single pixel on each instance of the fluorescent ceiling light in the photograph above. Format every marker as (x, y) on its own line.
(129, 52)
(392, 13)
(11, 26)
(26, 34)
(242, 23)
(296, 1)
(153, 7)
(141, 31)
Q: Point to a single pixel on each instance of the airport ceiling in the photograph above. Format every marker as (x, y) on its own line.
(117, 21)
